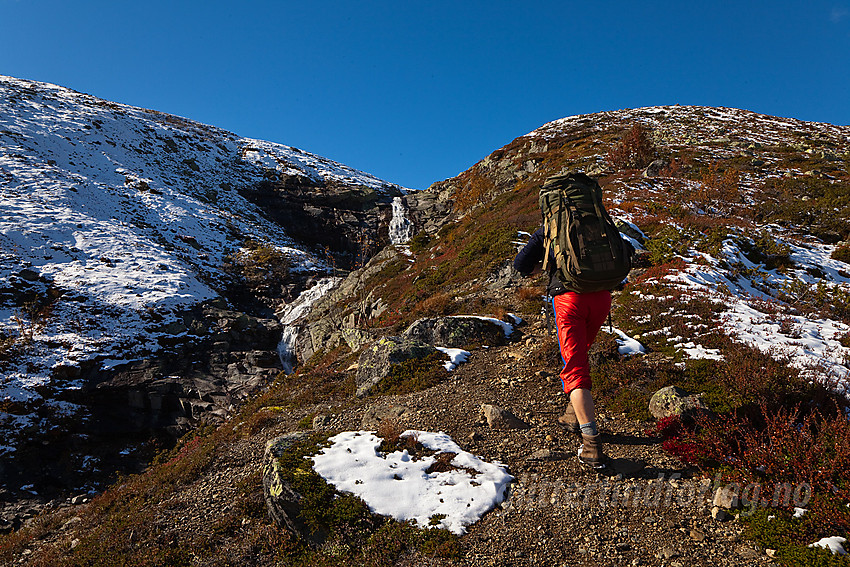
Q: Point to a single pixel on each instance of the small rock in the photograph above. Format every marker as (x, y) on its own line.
(320, 421)
(720, 514)
(655, 168)
(28, 274)
(667, 552)
(475, 436)
(770, 552)
(697, 535)
(71, 522)
(373, 417)
(727, 496)
(499, 418)
(749, 553)
(79, 499)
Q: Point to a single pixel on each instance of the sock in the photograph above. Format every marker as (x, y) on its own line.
(589, 428)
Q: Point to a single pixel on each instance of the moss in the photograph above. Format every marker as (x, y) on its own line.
(775, 529)
(306, 422)
(419, 243)
(413, 375)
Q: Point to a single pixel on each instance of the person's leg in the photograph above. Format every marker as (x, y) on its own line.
(583, 405)
(578, 319)
(571, 323)
(597, 306)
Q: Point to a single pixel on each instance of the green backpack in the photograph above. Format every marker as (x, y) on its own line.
(589, 252)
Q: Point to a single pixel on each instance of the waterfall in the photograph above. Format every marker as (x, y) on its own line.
(291, 313)
(400, 225)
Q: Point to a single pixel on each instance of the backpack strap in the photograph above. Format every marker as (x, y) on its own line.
(616, 251)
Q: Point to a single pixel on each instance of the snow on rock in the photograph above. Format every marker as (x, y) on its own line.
(508, 328)
(396, 485)
(456, 357)
(834, 544)
(626, 345)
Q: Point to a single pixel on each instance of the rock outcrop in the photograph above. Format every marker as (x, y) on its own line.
(348, 223)
(282, 500)
(377, 360)
(456, 332)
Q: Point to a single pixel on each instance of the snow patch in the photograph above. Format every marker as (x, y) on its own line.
(456, 357)
(396, 485)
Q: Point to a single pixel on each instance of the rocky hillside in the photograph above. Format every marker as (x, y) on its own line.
(142, 258)
(741, 297)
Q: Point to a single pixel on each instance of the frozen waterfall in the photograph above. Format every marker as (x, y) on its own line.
(291, 313)
(400, 225)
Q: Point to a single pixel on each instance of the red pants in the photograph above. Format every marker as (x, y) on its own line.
(578, 318)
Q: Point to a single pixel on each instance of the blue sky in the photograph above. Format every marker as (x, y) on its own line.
(416, 92)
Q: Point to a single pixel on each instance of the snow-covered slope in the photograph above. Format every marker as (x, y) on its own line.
(114, 218)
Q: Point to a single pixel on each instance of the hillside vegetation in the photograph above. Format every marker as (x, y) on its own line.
(741, 294)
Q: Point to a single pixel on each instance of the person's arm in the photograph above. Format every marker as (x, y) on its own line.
(529, 260)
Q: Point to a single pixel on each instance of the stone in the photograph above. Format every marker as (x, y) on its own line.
(541, 455)
(500, 418)
(655, 168)
(727, 496)
(456, 332)
(720, 514)
(28, 275)
(672, 400)
(283, 502)
(320, 421)
(376, 361)
(697, 535)
(373, 416)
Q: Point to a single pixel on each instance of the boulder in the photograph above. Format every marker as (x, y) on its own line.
(456, 332)
(377, 360)
(672, 400)
(655, 168)
(282, 500)
(500, 418)
(375, 415)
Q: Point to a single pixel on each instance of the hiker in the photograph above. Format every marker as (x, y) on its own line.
(580, 310)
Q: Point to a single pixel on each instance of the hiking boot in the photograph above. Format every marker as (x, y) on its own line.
(569, 421)
(590, 453)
